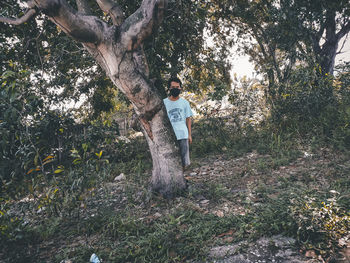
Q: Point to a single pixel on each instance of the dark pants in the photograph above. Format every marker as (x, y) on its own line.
(185, 152)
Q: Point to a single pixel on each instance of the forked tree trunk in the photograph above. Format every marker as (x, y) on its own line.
(131, 79)
(128, 70)
(118, 49)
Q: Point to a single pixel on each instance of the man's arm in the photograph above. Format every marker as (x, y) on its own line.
(188, 124)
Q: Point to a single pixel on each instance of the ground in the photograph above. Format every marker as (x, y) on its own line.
(245, 208)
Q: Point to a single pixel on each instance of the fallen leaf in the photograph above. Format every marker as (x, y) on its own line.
(228, 233)
(220, 213)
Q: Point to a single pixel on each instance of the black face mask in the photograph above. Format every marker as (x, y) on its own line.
(175, 92)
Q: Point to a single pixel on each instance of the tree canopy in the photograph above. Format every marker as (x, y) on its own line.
(65, 71)
(285, 31)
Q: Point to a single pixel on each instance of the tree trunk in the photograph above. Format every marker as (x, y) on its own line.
(120, 53)
(167, 174)
(129, 72)
(118, 49)
(327, 57)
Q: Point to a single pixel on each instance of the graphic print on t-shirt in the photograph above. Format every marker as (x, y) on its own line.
(175, 115)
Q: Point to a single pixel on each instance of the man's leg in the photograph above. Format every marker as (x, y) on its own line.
(185, 152)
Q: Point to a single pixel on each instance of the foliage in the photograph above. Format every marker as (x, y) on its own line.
(248, 101)
(323, 226)
(19, 107)
(64, 167)
(312, 104)
(176, 237)
(35, 140)
(280, 37)
(66, 73)
(303, 97)
(284, 32)
(180, 48)
(12, 229)
(341, 133)
(123, 224)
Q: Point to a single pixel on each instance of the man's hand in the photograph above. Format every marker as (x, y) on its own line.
(190, 139)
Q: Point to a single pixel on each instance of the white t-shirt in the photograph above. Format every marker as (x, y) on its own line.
(178, 111)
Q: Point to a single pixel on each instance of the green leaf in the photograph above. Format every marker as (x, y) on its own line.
(99, 154)
(77, 161)
(85, 147)
(7, 74)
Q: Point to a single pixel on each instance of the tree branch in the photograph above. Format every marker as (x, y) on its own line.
(271, 50)
(30, 13)
(113, 9)
(343, 31)
(83, 28)
(137, 27)
(319, 33)
(342, 46)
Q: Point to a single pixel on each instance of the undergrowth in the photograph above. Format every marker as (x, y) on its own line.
(130, 224)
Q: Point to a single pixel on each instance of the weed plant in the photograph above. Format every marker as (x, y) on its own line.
(133, 225)
(323, 226)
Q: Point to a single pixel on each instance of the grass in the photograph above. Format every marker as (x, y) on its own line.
(264, 184)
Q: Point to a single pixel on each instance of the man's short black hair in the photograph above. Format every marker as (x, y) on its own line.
(174, 79)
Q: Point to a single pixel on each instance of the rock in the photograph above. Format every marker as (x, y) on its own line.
(157, 215)
(287, 252)
(193, 174)
(223, 251)
(277, 249)
(120, 177)
(307, 155)
(226, 208)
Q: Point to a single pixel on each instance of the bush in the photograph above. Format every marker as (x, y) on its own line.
(322, 225)
(35, 140)
(303, 97)
(310, 105)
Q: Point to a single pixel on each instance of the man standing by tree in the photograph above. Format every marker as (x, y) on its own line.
(116, 42)
(179, 113)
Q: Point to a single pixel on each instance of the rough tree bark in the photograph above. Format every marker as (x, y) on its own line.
(118, 50)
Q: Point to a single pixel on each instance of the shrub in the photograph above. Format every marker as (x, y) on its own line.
(322, 225)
